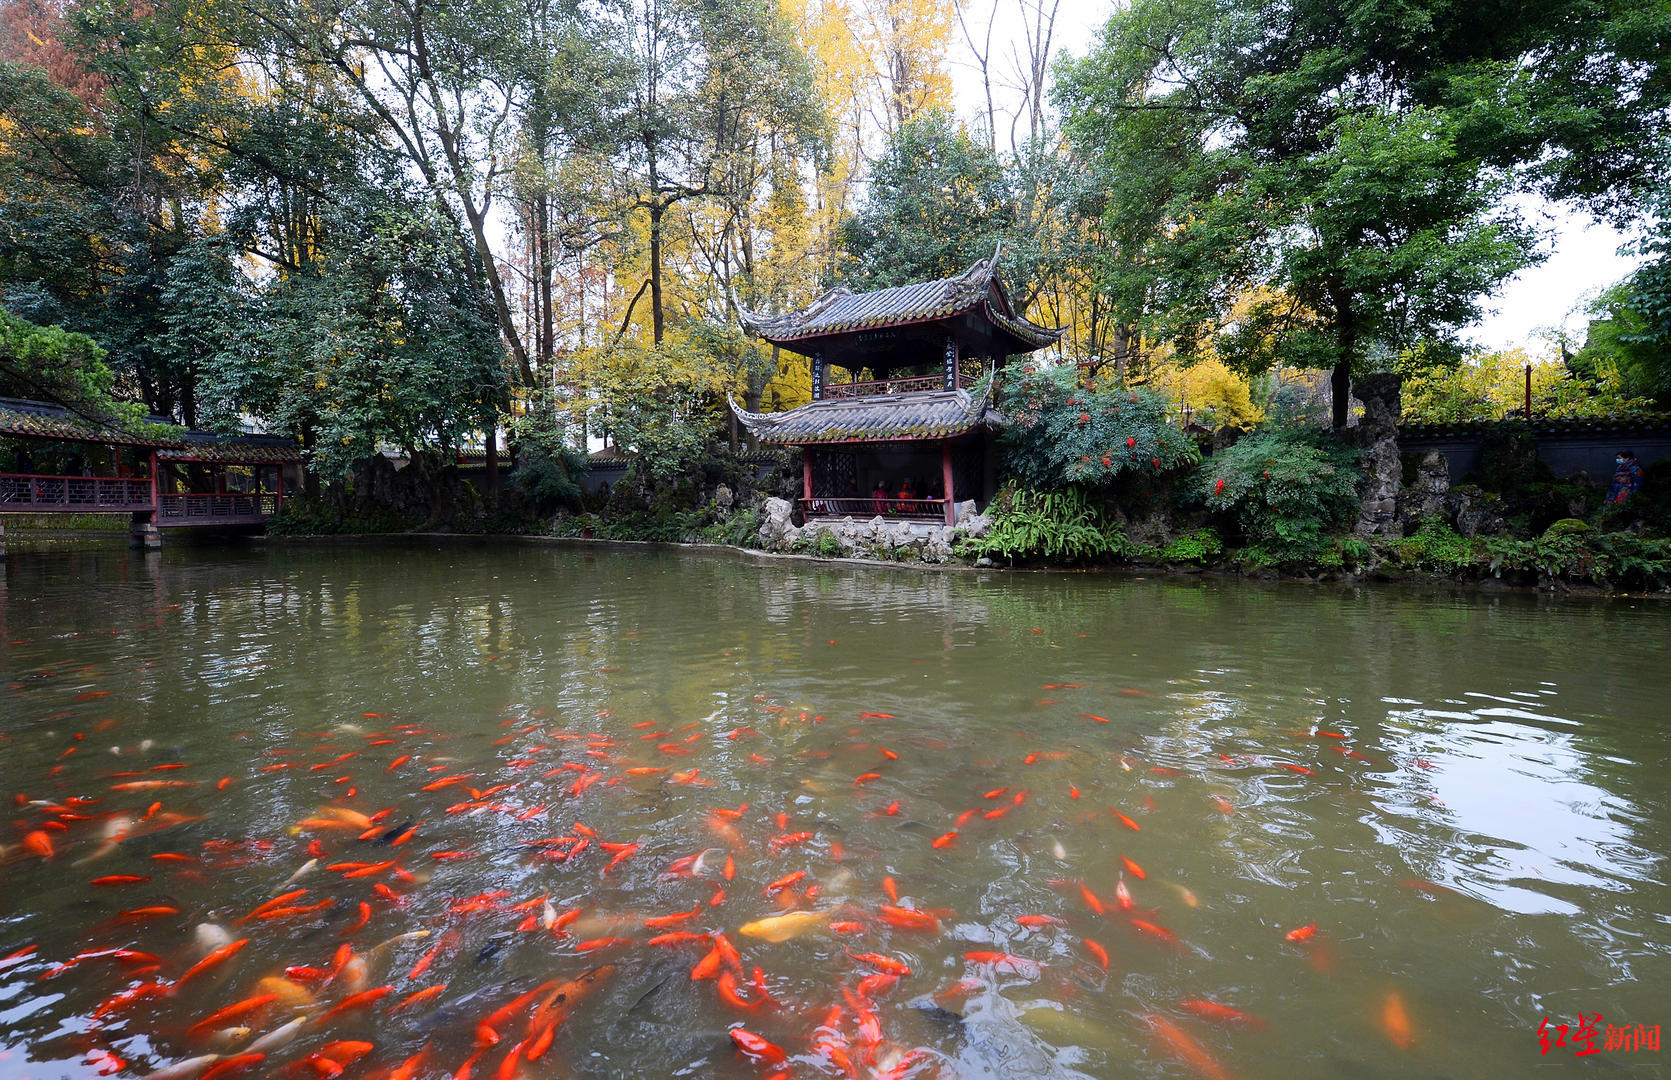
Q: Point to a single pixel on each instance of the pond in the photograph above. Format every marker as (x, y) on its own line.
(503, 811)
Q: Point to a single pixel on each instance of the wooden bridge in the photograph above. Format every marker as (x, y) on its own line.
(197, 479)
(37, 493)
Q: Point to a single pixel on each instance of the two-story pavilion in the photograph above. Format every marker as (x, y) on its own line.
(897, 398)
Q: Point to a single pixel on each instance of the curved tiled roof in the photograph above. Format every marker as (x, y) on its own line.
(842, 311)
(43, 420)
(935, 414)
(234, 449)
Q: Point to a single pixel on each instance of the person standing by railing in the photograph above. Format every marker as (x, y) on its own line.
(879, 498)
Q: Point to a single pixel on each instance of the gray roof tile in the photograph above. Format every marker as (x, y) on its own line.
(841, 311)
(937, 414)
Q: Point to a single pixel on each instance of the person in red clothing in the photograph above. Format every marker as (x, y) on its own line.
(907, 490)
(1627, 477)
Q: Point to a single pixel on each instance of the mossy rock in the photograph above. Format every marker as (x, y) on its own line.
(1565, 527)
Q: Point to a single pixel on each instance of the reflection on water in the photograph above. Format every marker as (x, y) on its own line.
(1464, 795)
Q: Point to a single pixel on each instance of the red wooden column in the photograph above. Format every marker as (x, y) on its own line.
(946, 475)
(142, 532)
(806, 475)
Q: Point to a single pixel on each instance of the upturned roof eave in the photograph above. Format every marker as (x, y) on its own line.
(973, 414)
(917, 303)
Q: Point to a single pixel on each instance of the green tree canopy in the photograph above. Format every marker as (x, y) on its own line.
(1345, 169)
(49, 363)
(938, 200)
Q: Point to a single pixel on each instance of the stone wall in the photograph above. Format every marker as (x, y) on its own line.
(899, 541)
(1566, 447)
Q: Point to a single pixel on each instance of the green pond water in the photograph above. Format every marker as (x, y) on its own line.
(1466, 795)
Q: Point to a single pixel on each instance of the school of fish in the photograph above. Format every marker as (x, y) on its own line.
(437, 912)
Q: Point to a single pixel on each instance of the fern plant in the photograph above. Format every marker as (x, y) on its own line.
(1061, 526)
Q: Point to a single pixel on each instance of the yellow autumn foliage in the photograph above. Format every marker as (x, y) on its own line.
(1218, 396)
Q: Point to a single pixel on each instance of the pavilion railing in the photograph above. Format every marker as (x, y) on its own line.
(882, 387)
(902, 509)
(34, 492)
(204, 508)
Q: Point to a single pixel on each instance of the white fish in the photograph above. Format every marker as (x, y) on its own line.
(1058, 850)
(307, 868)
(278, 1037)
(115, 830)
(182, 1069)
(210, 936)
(228, 1037)
(709, 863)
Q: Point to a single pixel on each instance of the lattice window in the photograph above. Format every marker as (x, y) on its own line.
(968, 470)
(834, 473)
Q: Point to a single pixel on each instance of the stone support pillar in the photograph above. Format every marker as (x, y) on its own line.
(143, 533)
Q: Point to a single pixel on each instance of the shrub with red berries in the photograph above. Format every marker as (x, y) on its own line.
(1062, 435)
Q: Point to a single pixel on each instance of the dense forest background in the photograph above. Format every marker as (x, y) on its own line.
(397, 224)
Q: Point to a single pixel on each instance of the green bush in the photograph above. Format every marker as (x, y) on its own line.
(660, 525)
(1285, 488)
(575, 525)
(300, 517)
(1199, 547)
(547, 472)
(1436, 546)
(740, 530)
(1061, 436)
(1611, 560)
(1061, 526)
(1309, 554)
(1566, 527)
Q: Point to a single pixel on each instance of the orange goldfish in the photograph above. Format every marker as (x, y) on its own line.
(756, 1048)
(908, 919)
(1395, 1021)
(232, 1012)
(1219, 1014)
(1181, 1046)
(220, 954)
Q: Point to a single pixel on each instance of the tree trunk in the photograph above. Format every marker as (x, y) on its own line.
(656, 210)
(1340, 381)
(1340, 386)
(490, 484)
(548, 347)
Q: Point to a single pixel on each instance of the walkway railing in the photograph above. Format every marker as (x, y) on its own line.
(900, 509)
(876, 387)
(231, 509)
(36, 493)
